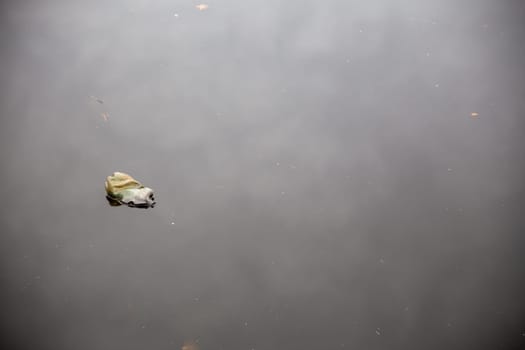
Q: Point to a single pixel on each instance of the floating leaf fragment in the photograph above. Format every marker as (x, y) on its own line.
(202, 7)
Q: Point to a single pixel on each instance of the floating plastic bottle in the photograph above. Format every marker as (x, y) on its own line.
(122, 189)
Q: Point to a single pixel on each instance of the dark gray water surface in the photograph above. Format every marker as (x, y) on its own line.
(321, 180)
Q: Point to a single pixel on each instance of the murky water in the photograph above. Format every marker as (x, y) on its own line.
(328, 175)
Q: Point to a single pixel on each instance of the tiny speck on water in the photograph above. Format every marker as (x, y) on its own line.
(202, 7)
(96, 99)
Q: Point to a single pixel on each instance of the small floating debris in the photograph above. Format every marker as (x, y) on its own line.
(190, 345)
(97, 99)
(474, 115)
(201, 7)
(122, 189)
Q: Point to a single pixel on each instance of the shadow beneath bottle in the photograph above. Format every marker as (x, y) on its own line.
(113, 202)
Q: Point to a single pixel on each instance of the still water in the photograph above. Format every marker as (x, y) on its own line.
(328, 175)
